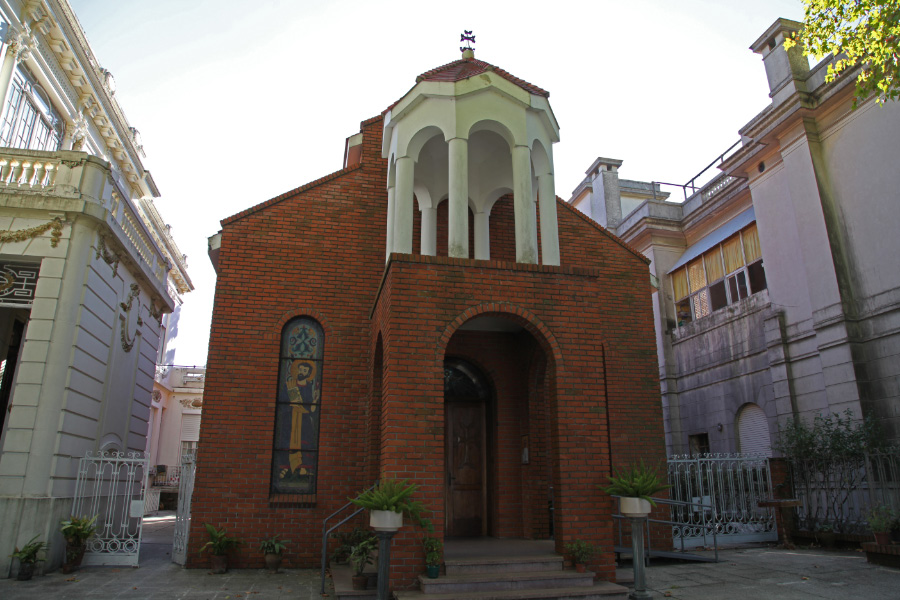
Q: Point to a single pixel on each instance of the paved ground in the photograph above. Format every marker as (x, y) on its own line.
(158, 577)
(757, 573)
(771, 574)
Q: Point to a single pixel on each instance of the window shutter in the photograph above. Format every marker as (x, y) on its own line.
(753, 431)
(713, 260)
(734, 260)
(751, 244)
(696, 275)
(190, 428)
(679, 284)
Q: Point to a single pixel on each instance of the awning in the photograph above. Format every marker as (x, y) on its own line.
(716, 237)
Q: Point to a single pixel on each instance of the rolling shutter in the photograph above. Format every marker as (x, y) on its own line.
(753, 431)
(190, 428)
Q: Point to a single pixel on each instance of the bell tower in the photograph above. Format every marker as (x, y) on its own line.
(469, 133)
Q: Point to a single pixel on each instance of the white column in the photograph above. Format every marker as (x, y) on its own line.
(526, 220)
(429, 231)
(389, 245)
(6, 72)
(458, 203)
(403, 206)
(549, 227)
(482, 236)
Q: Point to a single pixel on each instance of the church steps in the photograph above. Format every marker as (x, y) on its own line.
(466, 566)
(602, 590)
(503, 581)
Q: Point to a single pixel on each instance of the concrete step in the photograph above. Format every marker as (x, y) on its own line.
(498, 582)
(465, 566)
(602, 590)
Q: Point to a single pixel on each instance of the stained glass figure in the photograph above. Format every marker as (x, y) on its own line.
(296, 445)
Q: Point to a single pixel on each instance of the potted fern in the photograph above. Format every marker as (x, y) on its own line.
(581, 552)
(28, 557)
(272, 548)
(433, 554)
(388, 502)
(635, 486)
(218, 546)
(76, 531)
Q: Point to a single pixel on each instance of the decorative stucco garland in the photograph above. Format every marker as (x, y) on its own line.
(20, 235)
(128, 344)
(108, 256)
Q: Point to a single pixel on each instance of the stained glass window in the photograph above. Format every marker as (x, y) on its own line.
(295, 455)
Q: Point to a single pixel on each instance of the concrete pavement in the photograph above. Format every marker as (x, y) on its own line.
(754, 573)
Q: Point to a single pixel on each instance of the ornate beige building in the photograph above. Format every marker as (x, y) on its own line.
(88, 271)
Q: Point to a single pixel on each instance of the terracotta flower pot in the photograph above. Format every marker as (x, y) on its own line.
(74, 556)
(360, 582)
(273, 562)
(882, 538)
(579, 567)
(218, 563)
(26, 571)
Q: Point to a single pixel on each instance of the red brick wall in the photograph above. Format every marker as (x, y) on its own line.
(319, 250)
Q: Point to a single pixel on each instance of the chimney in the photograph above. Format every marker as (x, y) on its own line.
(786, 70)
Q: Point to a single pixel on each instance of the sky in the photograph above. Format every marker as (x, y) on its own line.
(238, 102)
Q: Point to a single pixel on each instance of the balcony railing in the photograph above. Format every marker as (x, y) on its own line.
(78, 175)
(166, 476)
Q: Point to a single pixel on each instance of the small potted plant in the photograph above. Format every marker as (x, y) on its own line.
(433, 556)
(28, 557)
(272, 548)
(581, 552)
(346, 540)
(635, 486)
(76, 531)
(360, 558)
(826, 536)
(218, 546)
(388, 502)
(880, 519)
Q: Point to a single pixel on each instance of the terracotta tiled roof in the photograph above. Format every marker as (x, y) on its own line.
(469, 67)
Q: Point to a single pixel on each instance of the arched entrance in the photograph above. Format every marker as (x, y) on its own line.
(498, 456)
(467, 395)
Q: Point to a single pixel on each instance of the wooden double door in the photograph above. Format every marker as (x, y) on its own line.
(466, 399)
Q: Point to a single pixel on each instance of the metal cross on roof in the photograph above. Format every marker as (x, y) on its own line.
(467, 37)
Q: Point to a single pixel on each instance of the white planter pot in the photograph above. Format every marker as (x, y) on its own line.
(634, 507)
(385, 520)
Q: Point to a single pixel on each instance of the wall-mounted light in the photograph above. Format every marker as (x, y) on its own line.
(719, 427)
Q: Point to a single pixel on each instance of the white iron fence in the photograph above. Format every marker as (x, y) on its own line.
(110, 486)
(187, 471)
(730, 487)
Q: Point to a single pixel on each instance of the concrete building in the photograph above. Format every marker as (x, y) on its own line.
(174, 428)
(778, 286)
(88, 271)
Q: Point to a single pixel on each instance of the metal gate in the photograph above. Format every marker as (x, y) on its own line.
(729, 486)
(111, 486)
(183, 514)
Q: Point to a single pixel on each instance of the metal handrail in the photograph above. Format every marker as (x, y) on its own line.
(692, 182)
(702, 506)
(327, 532)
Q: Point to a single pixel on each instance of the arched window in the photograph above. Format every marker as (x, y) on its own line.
(29, 120)
(295, 455)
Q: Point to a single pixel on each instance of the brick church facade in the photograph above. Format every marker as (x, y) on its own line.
(430, 312)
